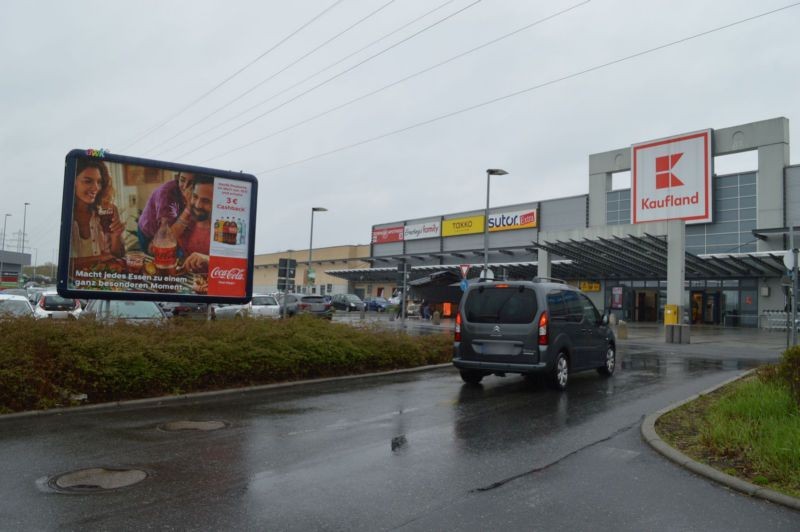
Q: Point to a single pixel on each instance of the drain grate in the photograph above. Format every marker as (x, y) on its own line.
(97, 479)
(174, 426)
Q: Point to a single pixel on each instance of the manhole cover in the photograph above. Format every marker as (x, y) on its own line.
(193, 425)
(98, 479)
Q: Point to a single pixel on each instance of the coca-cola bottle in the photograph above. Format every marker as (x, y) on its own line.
(164, 247)
(218, 230)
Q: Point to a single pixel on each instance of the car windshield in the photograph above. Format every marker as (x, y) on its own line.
(55, 301)
(264, 300)
(131, 310)
(491, 304)
(353, 299)
(14, 307)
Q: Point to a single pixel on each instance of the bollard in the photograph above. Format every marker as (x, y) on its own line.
(436, 318)
(622, 330)
(669, 333)
(686, 336)
(363, 312)
(612, 319)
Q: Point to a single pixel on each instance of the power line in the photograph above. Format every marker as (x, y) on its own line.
(212, 128)
(226, 80)
(284, 69)
(529, 89)
(403, 80)
(318, 85)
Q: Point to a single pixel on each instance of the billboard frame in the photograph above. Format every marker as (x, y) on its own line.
(67, 205)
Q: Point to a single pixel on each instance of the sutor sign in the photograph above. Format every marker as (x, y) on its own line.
(671, 179)
(506, 221)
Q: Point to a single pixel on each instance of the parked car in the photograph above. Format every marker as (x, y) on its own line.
(15, 292)
(15, 306)
(198, 311)
(348, 302)
(35, 292)
(378, 304)
(51, 305)
(530, 327)
(261, 306)
(305, 304)
(112, 311)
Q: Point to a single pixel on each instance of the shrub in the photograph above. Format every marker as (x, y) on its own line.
(43, 363)
(789, 371)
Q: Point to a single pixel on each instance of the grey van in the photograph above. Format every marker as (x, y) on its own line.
(542, 326)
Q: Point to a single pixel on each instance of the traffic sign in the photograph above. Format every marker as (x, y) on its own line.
(464, 285)
(464, 270)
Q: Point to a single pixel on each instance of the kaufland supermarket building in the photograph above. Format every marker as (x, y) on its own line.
(712, 244)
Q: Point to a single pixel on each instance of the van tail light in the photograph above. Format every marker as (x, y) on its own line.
(544, 320)
(41, 304)
(457, 335)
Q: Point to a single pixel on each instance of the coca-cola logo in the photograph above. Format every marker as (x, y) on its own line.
(231, 274)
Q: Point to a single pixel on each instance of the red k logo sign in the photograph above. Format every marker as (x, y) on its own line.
(664, 176)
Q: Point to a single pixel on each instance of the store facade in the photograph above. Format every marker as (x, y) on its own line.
(613, 243)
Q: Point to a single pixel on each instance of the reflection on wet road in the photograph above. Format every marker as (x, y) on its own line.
(415, 451)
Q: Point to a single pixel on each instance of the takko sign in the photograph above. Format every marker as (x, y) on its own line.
(671, 179)
(505, 221)
(385, 235)
(462, 226)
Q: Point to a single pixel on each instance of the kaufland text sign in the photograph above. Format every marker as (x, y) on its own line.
(671, 179)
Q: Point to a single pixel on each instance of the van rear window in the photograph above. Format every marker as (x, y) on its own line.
(500, 305)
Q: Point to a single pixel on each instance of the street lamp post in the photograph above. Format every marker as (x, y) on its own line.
(309, 271)
(24, 217)
(5, 221)
(489, 173)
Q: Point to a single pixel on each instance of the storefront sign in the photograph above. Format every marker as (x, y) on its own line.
(462, 226)
(505, 221)
(671, 179)
(616, 297)
(589, 286)
(152, 230)
(385, 235)
(423, 230)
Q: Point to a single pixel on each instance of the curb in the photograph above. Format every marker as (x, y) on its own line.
(651, 437)
(199, 396)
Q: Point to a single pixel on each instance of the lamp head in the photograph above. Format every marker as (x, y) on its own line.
(496, 171)
(318, 209)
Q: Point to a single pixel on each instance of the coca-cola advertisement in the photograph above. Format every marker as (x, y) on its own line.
(142, 229)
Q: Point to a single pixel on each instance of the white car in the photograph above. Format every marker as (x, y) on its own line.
(53, 306)
(14, 306)
(261, 306)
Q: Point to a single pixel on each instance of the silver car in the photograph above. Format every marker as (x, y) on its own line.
(112, 311)
(260, 306)
(15, 306)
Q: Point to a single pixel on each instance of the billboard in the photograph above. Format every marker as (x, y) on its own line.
(142, 229)
(671, 179)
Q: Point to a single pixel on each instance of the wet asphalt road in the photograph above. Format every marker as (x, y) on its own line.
(416, 451)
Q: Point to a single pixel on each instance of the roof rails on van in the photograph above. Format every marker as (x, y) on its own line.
(548, 280)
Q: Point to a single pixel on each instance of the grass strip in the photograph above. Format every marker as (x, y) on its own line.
(749, 429)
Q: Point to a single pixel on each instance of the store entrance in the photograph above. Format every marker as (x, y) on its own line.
(646, 305)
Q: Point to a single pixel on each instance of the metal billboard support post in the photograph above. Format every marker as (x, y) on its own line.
(794, 292)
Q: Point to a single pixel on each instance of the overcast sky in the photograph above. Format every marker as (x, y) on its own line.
(101, 74)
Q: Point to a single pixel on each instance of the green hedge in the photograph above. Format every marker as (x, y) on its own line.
(45, 363)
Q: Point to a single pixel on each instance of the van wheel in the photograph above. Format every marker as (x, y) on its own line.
(611, 362)
(560, 375)
(470, 376)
